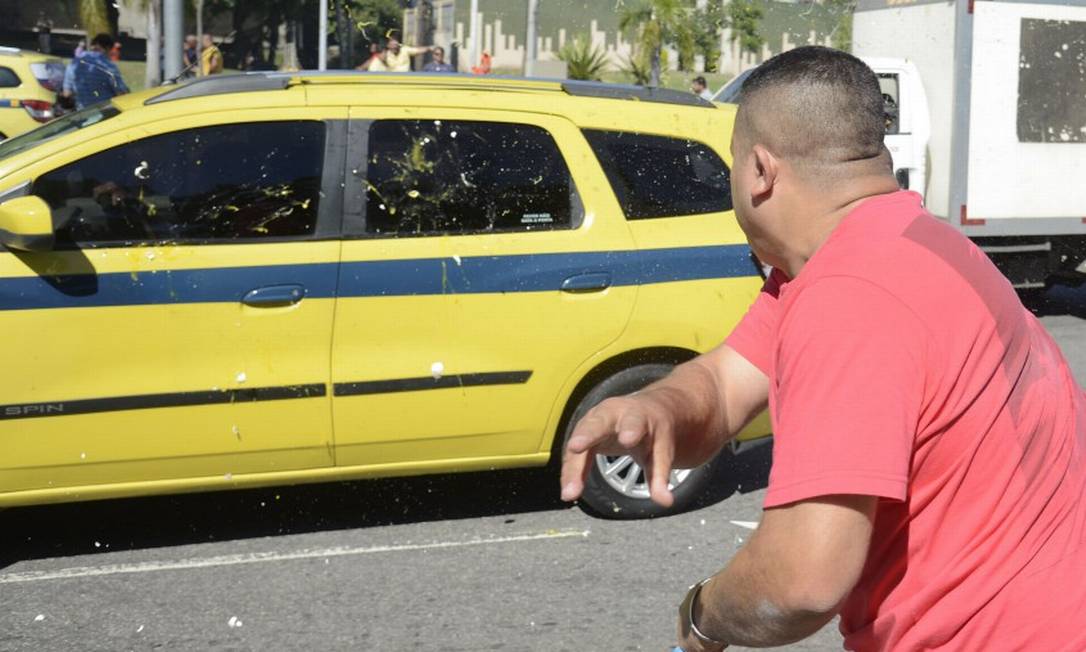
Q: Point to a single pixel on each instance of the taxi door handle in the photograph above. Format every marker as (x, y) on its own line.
(592, 282)
(273, 296)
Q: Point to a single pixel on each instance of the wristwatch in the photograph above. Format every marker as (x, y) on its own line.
(686, 610)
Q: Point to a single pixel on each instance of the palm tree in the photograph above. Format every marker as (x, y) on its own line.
(652, 23)
(583, 60)
(92, 15)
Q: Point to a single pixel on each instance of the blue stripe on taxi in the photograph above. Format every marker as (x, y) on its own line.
(410, 277)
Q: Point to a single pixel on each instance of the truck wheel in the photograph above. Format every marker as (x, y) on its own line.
(616, 487)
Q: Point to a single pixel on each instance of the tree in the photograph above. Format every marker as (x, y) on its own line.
(651, 24)
(743, 17)
(255, 27)
(705, 26)
(584, 61)
(841, 37)
(358, 23)
(94, 17)
(344, 33)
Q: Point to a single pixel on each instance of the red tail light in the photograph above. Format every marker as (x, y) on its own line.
(40, 110)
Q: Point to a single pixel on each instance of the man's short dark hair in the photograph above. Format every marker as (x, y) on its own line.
(700, 80)
(438, 48)
(815, 105)
(103, 40)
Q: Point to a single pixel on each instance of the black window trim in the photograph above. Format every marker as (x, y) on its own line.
(329, 209)
(354, 195)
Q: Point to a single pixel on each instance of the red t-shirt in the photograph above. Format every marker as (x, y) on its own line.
(902, 365)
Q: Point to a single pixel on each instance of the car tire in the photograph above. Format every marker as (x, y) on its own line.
(617, 496)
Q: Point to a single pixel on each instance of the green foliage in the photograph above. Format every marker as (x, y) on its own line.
(256, 22)
(93, 18)
(583, 60)
(650, 24)
(376, 20)
(744, 17)
(638, 68)
(842, 32)
(705, 26)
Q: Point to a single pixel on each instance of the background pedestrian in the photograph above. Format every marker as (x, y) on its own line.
(438, 64)
(95, 78)
(699, 87)
(210, 58)
(396, 57)
(44, 28)
(190, 57)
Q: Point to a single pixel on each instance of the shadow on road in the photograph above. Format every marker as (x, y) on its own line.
(139, 523)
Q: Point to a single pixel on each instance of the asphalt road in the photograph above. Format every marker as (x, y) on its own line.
(488, 561)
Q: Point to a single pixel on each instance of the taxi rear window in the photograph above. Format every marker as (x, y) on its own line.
(657, 176)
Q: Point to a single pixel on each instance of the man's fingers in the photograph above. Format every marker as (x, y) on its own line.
(615, 427)
(574, 473)
(658, 469)
(631, 429)
(591, 431)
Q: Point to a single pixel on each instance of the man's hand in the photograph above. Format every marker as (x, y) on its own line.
(684, 418)
(636, 425)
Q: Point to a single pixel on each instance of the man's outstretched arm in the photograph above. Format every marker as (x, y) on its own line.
(791, 577)
(680, 421)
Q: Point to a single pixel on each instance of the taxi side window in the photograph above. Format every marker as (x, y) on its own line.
(223, 183)
(655, 176)
(460, 177)
(8, 78)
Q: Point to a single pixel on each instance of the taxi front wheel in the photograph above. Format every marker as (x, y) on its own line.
(616, 486)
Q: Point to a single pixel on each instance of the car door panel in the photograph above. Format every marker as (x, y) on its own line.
(455, 346)
(145, 362)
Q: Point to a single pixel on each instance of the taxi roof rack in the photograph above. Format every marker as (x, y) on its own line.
(631, 92)
(219, 84)
(272, 81)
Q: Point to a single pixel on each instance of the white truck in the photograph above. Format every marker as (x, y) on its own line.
(986, 117)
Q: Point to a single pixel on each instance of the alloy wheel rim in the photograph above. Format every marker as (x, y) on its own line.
(626, 476)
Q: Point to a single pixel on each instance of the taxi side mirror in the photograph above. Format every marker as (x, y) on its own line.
(26, 224)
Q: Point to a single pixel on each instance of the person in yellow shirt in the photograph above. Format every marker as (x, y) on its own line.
(396, 57)
(210, 58)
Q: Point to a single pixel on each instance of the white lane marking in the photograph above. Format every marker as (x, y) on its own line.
(264, 557)
(750, 525)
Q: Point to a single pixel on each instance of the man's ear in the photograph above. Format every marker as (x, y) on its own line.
(766, 171)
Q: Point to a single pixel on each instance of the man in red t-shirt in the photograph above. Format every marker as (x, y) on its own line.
(929, 465)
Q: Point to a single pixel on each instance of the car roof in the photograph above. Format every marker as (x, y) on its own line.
(272, 81)
(30, 55)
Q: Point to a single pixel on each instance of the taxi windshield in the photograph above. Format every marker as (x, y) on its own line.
(91, 115)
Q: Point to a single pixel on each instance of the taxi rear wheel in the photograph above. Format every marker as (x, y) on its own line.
(616, 487)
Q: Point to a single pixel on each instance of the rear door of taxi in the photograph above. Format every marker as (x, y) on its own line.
(483, 265)
(181, 330)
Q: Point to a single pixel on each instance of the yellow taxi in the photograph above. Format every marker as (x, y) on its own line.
(29, 83)
(279, 278)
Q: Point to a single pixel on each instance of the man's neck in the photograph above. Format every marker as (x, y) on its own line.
(818, 214)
